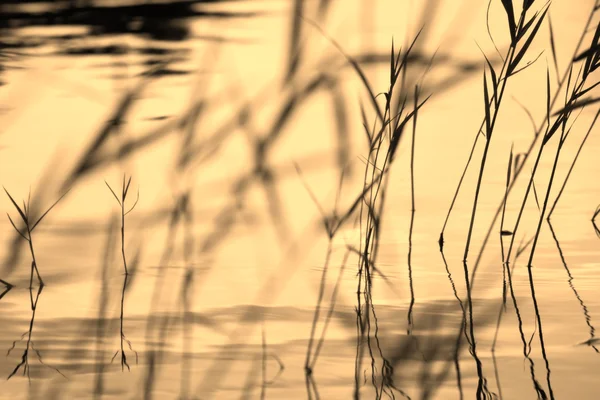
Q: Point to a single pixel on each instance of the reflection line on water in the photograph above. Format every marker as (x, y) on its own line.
(586, 314)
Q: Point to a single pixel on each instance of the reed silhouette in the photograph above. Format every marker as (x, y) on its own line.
(30, 223)
(121, 200)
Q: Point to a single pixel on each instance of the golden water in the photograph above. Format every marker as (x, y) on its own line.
(262, 277)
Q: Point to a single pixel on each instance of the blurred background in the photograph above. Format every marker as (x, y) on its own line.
(240, 124)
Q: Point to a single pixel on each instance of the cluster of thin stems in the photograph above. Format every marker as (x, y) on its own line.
(577, 87)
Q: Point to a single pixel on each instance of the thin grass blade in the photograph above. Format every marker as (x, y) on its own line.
(553, 47)
(492, 74)
(527, 4)
(577, 104)
(354, 65)
(589, 54)
(48, 210)
(135, 202)
(535, 196)
(548, 95)
(126, 188)
(526, 27)
(410, 48)
(392, 65)
(509, 169)
(113, 192)
(586, 91)
(14, 226)
(517, 59)
(510, 14)
(21, 213)
(553, 130)
(488, 119)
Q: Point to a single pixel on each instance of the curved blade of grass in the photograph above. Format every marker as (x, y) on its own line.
(354, 65)
(126, 187)
(529, 64)
(519, 56)
(529, 115)
(21, 213)
(489, 31)
(134, 203)
(409, 50)
(553, 130)
(553, 48)
(48, 210)
(591, 51)
(510, 14)
(14, 226)
(398, 131)
(577, 104)
(509, 168)
(527, 4)
(113, 192)
(548, 95)
(526, 27)
(313, 198)
(537, 203)
(584, 92)
(492, 73)
(488, 118)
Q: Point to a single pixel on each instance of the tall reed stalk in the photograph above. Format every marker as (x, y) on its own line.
(382, 145)
(121, 200)
(537, 135)
(522, 34)
(574, 101)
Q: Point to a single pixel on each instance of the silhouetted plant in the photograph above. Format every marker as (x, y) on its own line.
(522, 33)
(30, 224)
(383, 140)
(121, 201)
(521, 158)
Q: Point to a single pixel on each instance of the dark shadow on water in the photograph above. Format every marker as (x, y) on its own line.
(159, 21)
(101, 328)
(159, 24)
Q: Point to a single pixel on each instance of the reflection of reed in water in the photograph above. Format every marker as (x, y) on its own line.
(592, 341)
(30, 344)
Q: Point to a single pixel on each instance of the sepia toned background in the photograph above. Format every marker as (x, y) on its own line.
(236, 121)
